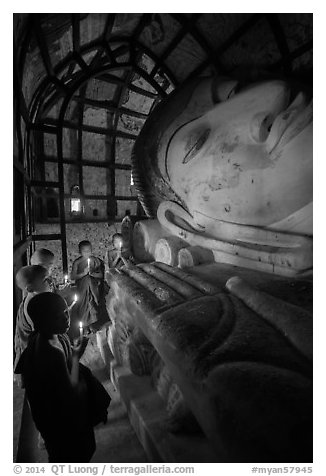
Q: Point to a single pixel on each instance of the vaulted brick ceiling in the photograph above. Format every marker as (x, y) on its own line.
(130, 54)
(81, 77)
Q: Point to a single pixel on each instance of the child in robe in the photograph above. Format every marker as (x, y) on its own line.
(56, 392)
(88, 273)
(45, 258)
(121, 254)
(31, 280)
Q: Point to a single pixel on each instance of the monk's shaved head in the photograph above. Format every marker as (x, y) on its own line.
(42, 256)
(28, 275)
(45, 310)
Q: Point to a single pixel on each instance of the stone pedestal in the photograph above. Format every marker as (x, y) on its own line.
(240, 375)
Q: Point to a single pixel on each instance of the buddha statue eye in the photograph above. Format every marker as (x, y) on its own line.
(194, 143)
(261, 126)
(223, 90)
(232, 92)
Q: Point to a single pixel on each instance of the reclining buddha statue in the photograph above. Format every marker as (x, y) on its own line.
(224, 169)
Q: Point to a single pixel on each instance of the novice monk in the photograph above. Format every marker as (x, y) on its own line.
(121, 255)
(88, 272)
(45, 258)
(58, 397)
(31, 280)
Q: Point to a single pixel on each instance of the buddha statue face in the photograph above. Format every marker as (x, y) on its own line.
(247, 159)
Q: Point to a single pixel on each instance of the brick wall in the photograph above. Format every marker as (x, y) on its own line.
(96, 147)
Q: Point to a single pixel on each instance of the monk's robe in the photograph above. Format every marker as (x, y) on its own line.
(60, 411)
(115, 258)
(90, 307)
(24, 328)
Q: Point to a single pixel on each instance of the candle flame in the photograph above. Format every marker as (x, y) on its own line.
(80, 325)
(76, 298)
(119, 243)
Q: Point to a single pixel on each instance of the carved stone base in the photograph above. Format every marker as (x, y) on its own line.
(244, 373)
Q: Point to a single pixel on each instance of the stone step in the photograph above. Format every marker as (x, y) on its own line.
(148, 417)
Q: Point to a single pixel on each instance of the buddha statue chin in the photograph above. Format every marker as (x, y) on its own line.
(239, 164)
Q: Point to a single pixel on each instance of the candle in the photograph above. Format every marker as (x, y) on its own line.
(81, 330)
(88, 262)
(119, 244)
(66, 278)
(73, 302)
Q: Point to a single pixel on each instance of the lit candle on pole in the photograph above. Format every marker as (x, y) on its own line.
(66, 278)
(81, 329)
(88, 263)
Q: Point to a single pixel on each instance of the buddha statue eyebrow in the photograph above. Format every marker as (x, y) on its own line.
(170, 140)
(240, 84)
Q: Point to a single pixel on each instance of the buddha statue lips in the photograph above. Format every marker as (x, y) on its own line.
(289, 123)
(240, 167)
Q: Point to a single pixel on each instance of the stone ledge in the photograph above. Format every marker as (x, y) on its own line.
(148, 417)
